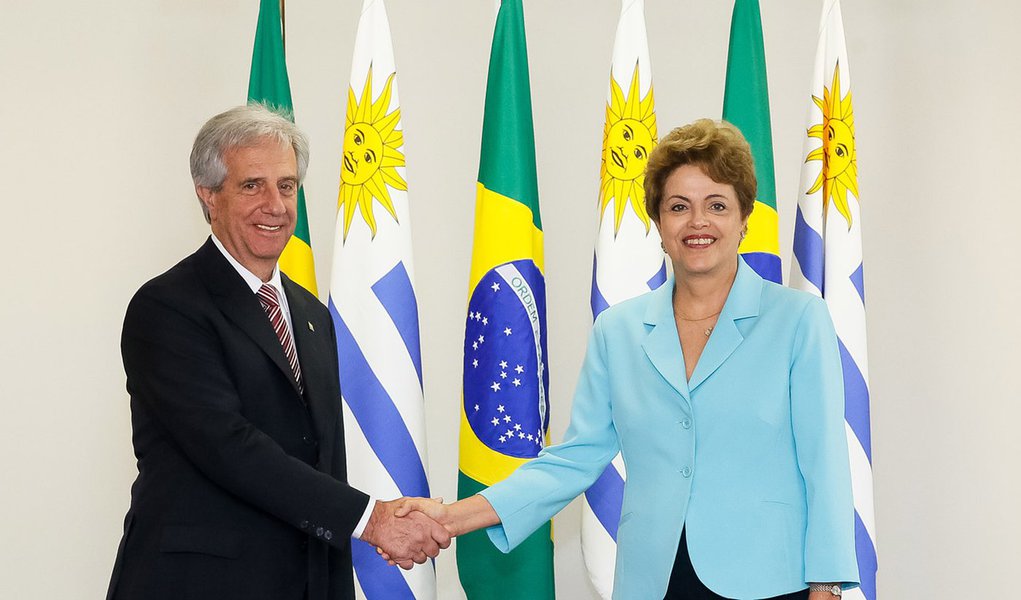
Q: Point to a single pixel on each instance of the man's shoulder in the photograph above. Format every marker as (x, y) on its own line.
(182, 275)
(179, 287)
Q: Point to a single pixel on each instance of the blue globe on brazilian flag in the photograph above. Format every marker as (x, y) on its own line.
(505, 379)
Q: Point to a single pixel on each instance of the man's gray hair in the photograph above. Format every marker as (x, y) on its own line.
(240, 127)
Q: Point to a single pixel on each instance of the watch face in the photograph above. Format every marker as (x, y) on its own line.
(835, 590)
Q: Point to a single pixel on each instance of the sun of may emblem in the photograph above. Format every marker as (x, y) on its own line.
(628, 138)
(839, 172)
(372, 154)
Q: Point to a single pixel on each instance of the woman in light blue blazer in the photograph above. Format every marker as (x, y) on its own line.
(723, 393)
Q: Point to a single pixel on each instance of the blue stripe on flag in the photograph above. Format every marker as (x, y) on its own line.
(866, 552)
(397, 296)
(599, 304)
(659, 278)
(765, 264)
(606, 497)
(377, 579)
(856, 401)
(858, 279)
(809, 251)
(377, 416)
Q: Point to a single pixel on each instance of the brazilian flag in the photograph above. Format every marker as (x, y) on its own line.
(746, 105)
(505, 410)
(268, 84)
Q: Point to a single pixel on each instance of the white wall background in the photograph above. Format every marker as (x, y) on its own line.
(100, 102)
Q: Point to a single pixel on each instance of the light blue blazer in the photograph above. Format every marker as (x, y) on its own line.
(749, 456)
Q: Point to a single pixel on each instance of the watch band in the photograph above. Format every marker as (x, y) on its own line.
(832, 588)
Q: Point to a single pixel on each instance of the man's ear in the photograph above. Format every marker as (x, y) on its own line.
(208, 197)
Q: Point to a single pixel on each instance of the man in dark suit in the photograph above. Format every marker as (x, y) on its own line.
(235, 402)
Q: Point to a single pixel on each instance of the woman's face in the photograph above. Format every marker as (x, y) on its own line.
(700, 222)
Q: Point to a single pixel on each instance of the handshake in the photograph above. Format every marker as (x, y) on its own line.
(411, 530)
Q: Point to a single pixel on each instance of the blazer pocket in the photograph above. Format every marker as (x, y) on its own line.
(225, 543)
(779, 521)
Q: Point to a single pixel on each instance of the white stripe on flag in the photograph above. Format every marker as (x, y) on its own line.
(373, 296)
(828, 259)
(628, 258)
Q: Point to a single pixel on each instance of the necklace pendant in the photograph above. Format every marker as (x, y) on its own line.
(708, 332)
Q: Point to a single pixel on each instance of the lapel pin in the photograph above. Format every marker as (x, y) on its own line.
(310, 328)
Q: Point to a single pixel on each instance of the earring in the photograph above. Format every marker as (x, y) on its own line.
(663, 247)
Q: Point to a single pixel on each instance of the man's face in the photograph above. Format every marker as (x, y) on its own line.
(253, 213)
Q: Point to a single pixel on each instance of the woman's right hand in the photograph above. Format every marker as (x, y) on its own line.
(434, 508)
(458, 518)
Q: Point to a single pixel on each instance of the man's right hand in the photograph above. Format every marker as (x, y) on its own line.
(405, 540)
(459, 518)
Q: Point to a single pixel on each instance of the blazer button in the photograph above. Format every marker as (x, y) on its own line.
(307, 440)
(686, 423)
(304, 524)
(686, 472)
(319, 532)
(328, 535)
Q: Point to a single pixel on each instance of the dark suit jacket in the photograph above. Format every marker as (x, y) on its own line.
(241, 487)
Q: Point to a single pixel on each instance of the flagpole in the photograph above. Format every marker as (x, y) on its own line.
(283, 26)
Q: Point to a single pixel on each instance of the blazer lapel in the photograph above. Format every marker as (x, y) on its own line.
(312, 339)
(662, 345)
(237, 302)
(742, 303)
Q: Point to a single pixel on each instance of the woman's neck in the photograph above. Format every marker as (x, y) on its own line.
(702, 294)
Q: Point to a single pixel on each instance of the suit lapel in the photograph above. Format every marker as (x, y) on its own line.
(662, 345)
(742, 303)
(312, 339)
(237, 302)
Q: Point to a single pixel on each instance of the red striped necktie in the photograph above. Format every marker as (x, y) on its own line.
(271, 304)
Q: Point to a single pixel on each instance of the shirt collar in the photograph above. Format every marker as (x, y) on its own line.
(250, 278)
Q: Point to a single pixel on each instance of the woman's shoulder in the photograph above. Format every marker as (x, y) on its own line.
(632, 310)
(793, 309)
(790, 298)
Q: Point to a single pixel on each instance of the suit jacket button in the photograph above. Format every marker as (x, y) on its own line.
(328, 535)
(304, 524)
(319, 532)
(307, 440)
(686, 472)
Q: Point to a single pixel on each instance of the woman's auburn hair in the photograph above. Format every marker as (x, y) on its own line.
(716, 147)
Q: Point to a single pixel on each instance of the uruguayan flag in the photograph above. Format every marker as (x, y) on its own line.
(628, 258)
(372, 300)
(828, 261)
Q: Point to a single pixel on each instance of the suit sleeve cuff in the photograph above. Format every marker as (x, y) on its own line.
(360, 527)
